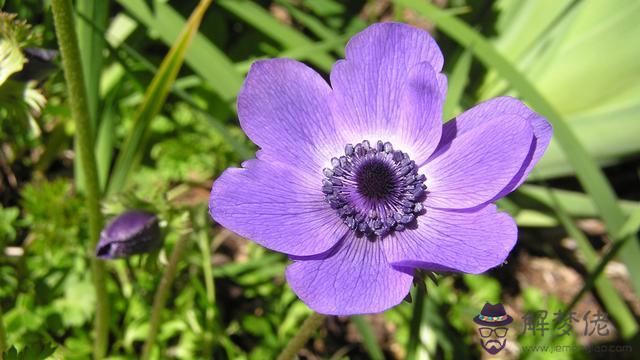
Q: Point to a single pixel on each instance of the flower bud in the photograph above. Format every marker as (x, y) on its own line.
(133, 232)
(40, 64)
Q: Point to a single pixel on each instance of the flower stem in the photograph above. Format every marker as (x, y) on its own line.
(160, 298)
(416, 321)
(309, 326)
(207, 270)
(72, 65)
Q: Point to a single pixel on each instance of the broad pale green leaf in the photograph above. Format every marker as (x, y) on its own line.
(561, 46)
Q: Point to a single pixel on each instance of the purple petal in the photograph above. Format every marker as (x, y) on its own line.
(492, 109)
(387, 88)
(396, 43)
(470, 242)
(475, 166)
(283, 108)
(354, 278)
(422, 102)
(277, 207)
(443, 84)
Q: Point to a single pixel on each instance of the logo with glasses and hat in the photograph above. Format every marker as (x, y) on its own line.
(493, 321)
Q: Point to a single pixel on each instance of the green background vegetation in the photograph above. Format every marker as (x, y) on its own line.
(160, 99)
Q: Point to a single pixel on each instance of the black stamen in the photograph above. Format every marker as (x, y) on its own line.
(375, 190)
(375, 180)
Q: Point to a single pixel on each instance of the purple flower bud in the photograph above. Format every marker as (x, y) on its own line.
(133, 232)
(40, 64)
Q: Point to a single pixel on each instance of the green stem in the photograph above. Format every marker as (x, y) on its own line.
(3, 337)
(309, 327)
(72, 65)
(416, 321)
(205, 249)
(160, 298)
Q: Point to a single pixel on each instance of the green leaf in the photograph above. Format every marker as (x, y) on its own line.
(262, 20)
(8, 224)
(301, 53)
(574, 203)
(325, 7)
(600, 132)
(203, 57)
(11, 37)
(631, 226)
(559, 45)
(121, 28)
(154, 99)
(368, 337)
(11, 59)
(105, 140)
(457, 82)
(314, 25)
(91, 14)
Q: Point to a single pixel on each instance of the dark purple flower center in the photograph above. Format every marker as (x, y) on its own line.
(374, 190)
(375, 180)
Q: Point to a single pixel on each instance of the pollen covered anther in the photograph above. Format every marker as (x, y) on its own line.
(374, 189)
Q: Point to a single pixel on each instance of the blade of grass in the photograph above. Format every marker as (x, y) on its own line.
(234, 270)
(594, 276)
(203, 57)
(533, 205)
(91, 54)
(368, 338)
(256, 16)
(91, 45)
(301, 53)
(457, 82)
(241, 149)
(631, 226)
(576, 204)
(616, 307)
(313, 24)
(533, 218)
(105, 138)
(154, 99)
(587, 171)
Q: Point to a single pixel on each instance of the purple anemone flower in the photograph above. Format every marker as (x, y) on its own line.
(360, 183)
